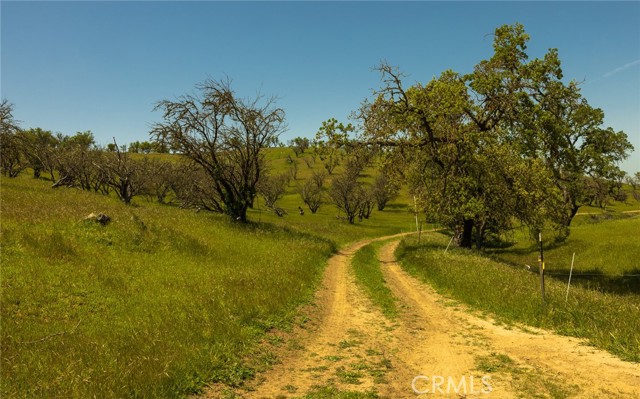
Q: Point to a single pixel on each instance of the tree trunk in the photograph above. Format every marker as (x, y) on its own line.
(572, 212)
(480, 234)
(237, 210)
(467, 233)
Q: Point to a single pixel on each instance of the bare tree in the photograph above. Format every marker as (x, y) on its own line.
(319, 178)
(384, 190)
(348, 194)
(7, 122)
(358, 156)
(311, 193)
(330, 163)
(367, 204)
(126, 176)
(225, 135)
(77, 160)
(12, 159)
(631, 180)
(309, 162)
(293, 168)
(194, 188)
(272, 189)
(162, 177)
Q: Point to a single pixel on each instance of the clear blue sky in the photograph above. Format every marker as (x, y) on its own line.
(101, 66)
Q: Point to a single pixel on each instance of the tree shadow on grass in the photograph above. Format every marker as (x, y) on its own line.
(595, 279)
(394, 206)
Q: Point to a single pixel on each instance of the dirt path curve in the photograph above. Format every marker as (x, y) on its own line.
(348, 345)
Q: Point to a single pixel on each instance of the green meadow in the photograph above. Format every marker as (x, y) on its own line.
(605, 245)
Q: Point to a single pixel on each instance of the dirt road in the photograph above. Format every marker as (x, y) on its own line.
(434, 349)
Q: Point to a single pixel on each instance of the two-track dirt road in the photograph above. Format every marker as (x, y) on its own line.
(434, 349)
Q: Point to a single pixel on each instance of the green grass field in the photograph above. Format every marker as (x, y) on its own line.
(151, 305)
(606, 255)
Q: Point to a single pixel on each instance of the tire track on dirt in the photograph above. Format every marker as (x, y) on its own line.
(440, 345)
(345, 345)
(545, 361)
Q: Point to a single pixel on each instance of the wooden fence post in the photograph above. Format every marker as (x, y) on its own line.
(541, 267)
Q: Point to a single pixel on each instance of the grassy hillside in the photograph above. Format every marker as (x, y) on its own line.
(159, 301)
(151, 305)
(163, 300)
(395, 218)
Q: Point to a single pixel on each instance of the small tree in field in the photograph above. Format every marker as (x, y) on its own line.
(225, 135)
(162, 177)
(126, 176)
(368, 202)
(331, 136)
(299, 145)
(384, 190)
(38, 146)
(311, 193)
(348, 195)
(272, 188)
(12, 160)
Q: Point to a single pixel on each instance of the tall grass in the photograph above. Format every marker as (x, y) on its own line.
(608, 321)
(366, 268)
(154, 304)
(600, 245)
(607, 255)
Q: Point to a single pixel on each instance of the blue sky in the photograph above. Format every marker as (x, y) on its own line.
(101, 66)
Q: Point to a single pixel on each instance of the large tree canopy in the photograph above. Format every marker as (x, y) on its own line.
(508, 141)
